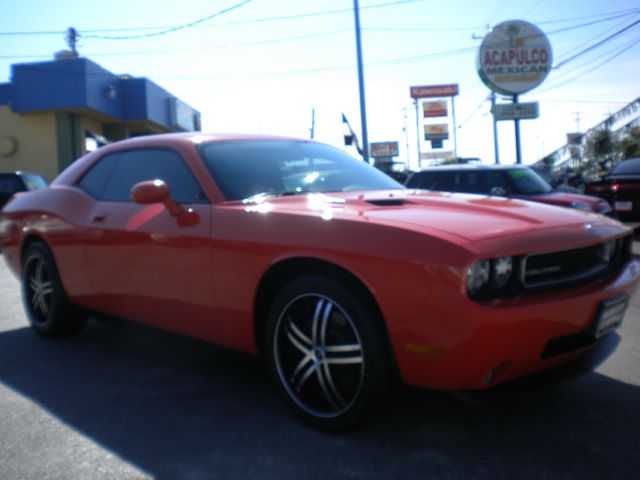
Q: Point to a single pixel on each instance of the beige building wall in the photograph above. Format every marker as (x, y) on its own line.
(35, 140)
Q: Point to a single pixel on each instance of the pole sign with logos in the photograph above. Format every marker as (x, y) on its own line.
(383, 149)
(513, 111)
(435, 109)
(514, 57)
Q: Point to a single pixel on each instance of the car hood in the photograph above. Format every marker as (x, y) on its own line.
(566, 199)
(468, 217)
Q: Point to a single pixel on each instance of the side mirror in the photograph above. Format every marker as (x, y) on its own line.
(155, 191)
(151, 191)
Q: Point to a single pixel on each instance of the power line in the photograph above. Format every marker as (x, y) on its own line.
(312, 14)
(279, 40)
(588, 24)
(171, 30)
(591, 40)
(448, 29)
(256, 20)
(582, 74)
(606, 14)
(598, 44)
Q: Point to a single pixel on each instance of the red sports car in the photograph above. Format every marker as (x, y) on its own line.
(343, 279)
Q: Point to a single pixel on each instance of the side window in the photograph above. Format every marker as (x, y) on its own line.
(95, 180)
(10, 184)
(438, 181)
(445, 182)
(135, 166)
(472, 182)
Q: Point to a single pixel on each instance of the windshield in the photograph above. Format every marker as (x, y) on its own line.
(527, 182)
(244, 169)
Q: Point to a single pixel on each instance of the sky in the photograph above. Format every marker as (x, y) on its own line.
(263, 66)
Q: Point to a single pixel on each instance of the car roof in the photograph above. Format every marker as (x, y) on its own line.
(200, 137)
(630, 163)
(471, 168)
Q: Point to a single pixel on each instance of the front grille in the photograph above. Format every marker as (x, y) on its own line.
(574, 266)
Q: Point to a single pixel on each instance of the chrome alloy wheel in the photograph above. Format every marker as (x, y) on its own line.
(319, 355)
(39, 288)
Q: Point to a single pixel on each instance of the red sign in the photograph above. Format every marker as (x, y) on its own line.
(435, 109)
(430, 91)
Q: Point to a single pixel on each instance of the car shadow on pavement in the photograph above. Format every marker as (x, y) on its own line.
(177, 408)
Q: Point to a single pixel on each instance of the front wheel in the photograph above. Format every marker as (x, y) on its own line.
(43, 296)
(327, 353)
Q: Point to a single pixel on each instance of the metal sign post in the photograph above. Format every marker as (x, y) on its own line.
(517, 124)
(495, 128)
(417, 102)
(455, 136)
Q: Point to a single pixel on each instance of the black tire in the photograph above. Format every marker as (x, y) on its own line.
(43, 296)
(327, 354)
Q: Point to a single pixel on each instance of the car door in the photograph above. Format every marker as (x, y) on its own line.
(143, 263)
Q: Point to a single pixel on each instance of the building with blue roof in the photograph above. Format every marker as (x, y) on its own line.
(53, 112)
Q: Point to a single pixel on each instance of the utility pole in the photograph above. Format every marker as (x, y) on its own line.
(516, 122)
(312, 130)
(406, 137)
(72, 40)
(363, 109)
(417, 105)
(578, 117)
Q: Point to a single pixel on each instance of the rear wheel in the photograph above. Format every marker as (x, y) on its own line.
(43, 296)
(327, 354)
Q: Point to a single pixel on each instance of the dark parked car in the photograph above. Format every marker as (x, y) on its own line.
(621, 188)
(515, 181)
(15, 182)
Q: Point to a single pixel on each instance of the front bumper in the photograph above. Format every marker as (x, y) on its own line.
(458, 345)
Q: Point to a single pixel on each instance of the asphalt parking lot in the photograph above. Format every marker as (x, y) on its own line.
(126, 402)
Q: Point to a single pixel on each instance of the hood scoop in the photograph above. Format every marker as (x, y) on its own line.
(388, 202)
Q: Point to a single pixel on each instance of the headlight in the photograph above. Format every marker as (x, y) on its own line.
(486, 278)
(502, 270)
(478, 276)
(585, 207)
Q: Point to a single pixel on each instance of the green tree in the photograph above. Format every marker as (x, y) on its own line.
(629, 145)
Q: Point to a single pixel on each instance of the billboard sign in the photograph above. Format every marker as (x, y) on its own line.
(435, 109)
(438, 131)
(431, 91)
(517, 111)
(383, 149)
(514, 57)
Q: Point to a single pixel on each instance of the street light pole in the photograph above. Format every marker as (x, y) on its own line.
(363, 109)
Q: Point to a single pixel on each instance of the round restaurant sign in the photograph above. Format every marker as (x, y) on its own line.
(514, 57)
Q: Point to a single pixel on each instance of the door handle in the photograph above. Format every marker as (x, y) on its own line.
(98, 217)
